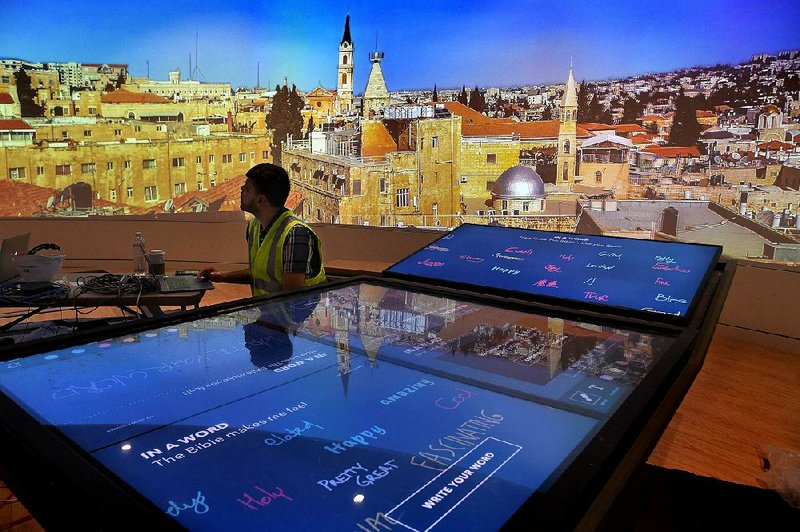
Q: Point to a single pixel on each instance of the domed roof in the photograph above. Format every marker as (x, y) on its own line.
(770, 109)
(519, 182)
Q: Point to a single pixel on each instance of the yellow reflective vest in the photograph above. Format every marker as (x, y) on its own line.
(266, 257)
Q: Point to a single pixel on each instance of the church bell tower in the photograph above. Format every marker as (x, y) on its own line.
(344, 82)
(567, 134)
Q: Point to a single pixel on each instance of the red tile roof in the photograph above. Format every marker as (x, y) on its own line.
(629, 128)
(15, 124)
(669, 152)
(776, 145)
(595, 126)
(704, 114)
(6, 98)
(468, 115)
(23, 199)
(123, 96)
(644, 138)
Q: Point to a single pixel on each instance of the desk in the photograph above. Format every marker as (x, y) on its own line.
(148, 304)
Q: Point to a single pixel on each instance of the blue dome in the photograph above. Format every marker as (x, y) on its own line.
(519, 182)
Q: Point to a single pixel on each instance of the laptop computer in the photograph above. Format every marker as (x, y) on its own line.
(14, 245)
(182, 283)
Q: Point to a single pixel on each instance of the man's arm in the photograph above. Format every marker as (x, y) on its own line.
(237, 276)
(293, 281)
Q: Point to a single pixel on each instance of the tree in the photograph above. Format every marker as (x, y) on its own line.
(595, 110)
(630, 111)
(121, 80)
(435, 94)
(685, 129)
(26, 95)
(583, 102)
(651, 127)
(547, 113)
(278, 120)
(310, 126)
(476, 100)
(463, 98)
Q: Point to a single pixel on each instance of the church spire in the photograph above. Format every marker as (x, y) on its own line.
(570, 94)
(346, 37)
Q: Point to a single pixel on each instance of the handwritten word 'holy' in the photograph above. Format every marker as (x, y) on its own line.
(198, 504)
(595, 296)
(456, 401)
(430, 263)
(266, 498)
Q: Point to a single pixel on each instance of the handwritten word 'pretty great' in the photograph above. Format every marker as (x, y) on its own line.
(198, 505)
(279, 439)
(363, 476)
(405, 392)
(266, 498)
(354, 441)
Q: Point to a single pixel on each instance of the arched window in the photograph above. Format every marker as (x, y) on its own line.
(344, 59)
(598, 177)
(566, 146)
(565, 172)
(344, 79)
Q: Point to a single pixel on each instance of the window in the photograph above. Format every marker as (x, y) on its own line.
(242, 157)
(213, 182)
(344, 59)
(211, 158)
(178, 162)
(16, 173)
(264, 154)
(109, 165)
(565, 172)
(434, 142)
(598, 177)
(148, 163)
(402, 197)
(64, 135)
(180, 188)
(566, 146)
(319, 104)
(227, 158)
(63, 169)
(151, 193)
(382, 185)
(87, 132)
(127, 164)
(356, 187)
(6, 79)
(137, 129)
(252, 156)
(201, 185)
(505, 205)
(199, 159)
(40, 170)
(112, 194)
(117, 132)
(129, 192)
(491, 158)
(92, 110)
(344, 79)
(526, 205)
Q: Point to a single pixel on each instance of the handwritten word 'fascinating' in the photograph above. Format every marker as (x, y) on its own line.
(198, 504)
(470, 258)
(440, 453)
(664, 267)
(406, 391)
(546, 283)
(434, 247)
(504, 270)
(354, 441)
(430, 263)
(380, 522)
(266, 498)
(454, 402)
(595, 296)
(279, 439)
(669, 299)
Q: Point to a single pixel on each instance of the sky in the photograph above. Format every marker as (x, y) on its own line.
(488, 43)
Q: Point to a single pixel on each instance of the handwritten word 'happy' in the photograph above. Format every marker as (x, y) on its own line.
(356, 440)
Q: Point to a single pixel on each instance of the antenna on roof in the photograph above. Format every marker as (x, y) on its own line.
(168, 205)
(51, 201)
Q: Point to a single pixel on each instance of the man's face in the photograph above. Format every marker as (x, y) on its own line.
(250, 198)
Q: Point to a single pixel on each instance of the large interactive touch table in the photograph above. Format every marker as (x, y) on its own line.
(360, 405)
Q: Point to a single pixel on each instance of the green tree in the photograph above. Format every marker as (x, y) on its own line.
(26, 95)
(547, 113)
(595, 110)
(121, 80)
(583, 102)
(278, 121)
(685, 129)
(310, 126)
(476, 100)
(631, 109)
(435, 97)
(463, 97)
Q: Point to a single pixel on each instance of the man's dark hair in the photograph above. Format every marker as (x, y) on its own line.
(272, 181)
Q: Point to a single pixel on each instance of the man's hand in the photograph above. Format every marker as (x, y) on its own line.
(210, 274)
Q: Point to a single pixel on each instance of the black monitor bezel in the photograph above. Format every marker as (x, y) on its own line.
(622, 312)
(570, 483)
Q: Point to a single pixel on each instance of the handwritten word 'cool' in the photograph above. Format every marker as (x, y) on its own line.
(454, 402)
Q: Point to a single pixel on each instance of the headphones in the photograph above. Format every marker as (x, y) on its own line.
(35, 249)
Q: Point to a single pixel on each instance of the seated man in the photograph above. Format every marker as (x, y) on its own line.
(285, 253)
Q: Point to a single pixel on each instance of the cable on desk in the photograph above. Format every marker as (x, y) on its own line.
(32, 294)
(118, 284)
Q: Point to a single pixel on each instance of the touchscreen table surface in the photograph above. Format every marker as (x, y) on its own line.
(639, 275)
(334, 409)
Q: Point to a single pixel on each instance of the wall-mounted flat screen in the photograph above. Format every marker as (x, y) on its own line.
(341, 408)
(638, 275)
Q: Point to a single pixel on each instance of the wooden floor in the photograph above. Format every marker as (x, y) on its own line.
(744, 397)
